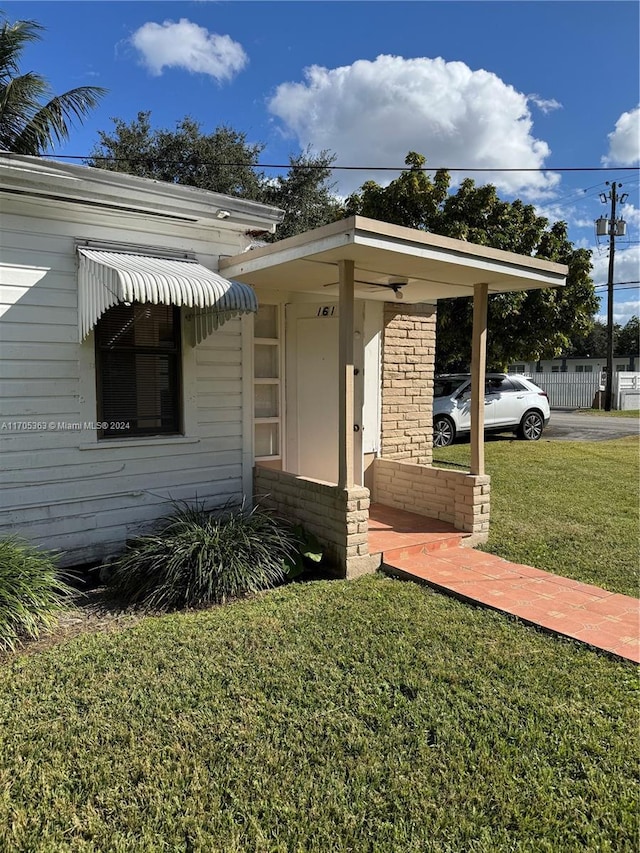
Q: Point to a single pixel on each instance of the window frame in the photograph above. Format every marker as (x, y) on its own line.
(175, 352)
(275, 381)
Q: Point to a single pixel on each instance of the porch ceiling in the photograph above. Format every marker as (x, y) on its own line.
(433, 267)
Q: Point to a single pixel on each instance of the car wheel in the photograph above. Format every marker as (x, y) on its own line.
(443, 431)
(531, 426)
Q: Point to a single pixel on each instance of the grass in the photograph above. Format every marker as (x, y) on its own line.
(32, 593)
(370, 715)
(568, 507)
(617, 413)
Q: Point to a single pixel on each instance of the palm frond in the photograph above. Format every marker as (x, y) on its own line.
(30, 119)
(13, 39)
(19, 101)
(51, 123)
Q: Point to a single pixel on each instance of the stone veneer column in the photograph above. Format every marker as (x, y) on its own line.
(408, 360)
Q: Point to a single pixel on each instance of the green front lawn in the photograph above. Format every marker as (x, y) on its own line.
(617, 413)
(370, 715)
(568, 507)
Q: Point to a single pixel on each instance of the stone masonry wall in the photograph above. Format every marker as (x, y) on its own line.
(408, 359)
(456, 497)
(338, 517)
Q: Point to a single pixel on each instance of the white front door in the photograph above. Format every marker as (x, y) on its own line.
(312, 390)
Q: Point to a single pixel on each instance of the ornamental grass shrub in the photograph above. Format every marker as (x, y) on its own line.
(197, 557)
(32, 592)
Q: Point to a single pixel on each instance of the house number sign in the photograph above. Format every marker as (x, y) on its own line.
(326, 311)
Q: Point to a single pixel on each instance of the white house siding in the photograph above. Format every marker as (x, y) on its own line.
(62, 488)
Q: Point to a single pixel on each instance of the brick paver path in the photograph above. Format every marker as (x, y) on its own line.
(602, 619)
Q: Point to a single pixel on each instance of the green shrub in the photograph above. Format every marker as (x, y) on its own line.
(198, 558)
(32, 592)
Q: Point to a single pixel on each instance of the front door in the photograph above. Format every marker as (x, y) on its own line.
(312, 390)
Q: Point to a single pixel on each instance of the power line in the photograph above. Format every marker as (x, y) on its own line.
(348, 168)
(585, 192)
(616, 283)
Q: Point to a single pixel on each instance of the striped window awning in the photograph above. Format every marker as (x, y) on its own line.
(109, 277)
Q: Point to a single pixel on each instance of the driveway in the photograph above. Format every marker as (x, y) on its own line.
(571, 426)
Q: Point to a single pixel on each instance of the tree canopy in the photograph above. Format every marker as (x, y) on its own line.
(523, 325)
(628, 338)
(222, 161)
(593, 344)
(304, 194)
(32, 118)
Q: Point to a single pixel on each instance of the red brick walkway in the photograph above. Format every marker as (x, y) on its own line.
(428, 550)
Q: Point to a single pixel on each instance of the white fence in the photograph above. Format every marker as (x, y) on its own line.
(626, 391)
(569, 390)
(579, 390)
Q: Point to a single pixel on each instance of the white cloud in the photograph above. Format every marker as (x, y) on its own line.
(622, 311)
(624, 141)
(190, 47)
(374, 112)
(626, 265)
(545, 105)
(626, 302)
(557, 211)
(631, 215)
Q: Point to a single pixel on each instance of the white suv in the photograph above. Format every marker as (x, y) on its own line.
(511, 403)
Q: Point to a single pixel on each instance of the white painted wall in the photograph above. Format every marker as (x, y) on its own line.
(64, 489)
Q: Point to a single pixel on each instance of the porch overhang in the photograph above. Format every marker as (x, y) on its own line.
(423, 267)
(359, 258)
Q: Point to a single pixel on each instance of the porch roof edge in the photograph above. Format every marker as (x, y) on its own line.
(354, 228)
(426, 266)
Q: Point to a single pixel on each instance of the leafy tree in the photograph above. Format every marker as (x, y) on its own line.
(521, 325)
(628, 338)
(304, 194)
(593, 344)
(32, 119)
(413, 199)
(222, 161)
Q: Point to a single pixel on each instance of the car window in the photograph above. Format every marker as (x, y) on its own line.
(446, 386)
(498, 385)
(518, 385)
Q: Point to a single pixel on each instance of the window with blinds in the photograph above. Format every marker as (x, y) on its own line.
(138, 370)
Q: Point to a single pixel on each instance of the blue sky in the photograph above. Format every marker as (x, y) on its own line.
(494, 84)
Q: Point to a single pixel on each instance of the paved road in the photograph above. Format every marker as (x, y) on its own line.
(572, 426)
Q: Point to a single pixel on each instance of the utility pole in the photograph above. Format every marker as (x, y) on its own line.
(614, 228)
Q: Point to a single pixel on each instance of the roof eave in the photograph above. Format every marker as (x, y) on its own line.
(65, 182)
